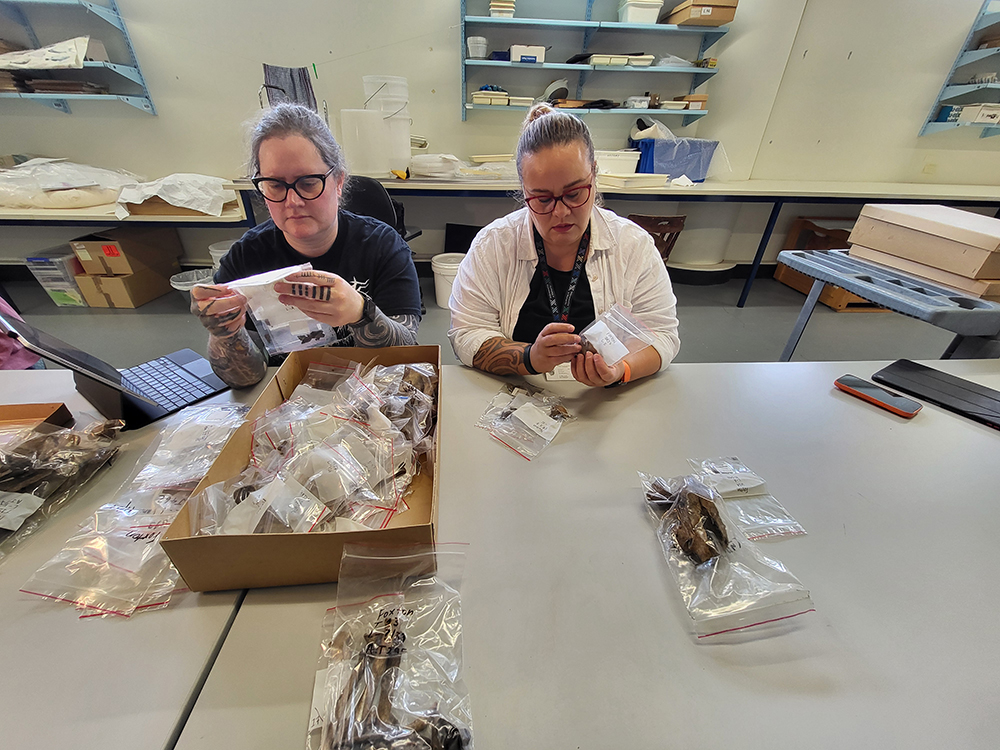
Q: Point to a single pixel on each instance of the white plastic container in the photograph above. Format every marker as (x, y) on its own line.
(617, 162)
(639, 11)
(477, 47)
(183, 281)
(386, 86)
(445, 267)
(364, 136)
(218, 251)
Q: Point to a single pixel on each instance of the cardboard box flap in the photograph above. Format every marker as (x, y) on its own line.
(941, 221)
(33, 414)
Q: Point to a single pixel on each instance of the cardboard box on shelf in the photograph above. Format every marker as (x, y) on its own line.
(56, 270)
(529, 53)
(125, 250)
(964, 243)
(700, 13)
(832, 296)
(694, 101)
(133, 290)
(985, 288)
(219, 562)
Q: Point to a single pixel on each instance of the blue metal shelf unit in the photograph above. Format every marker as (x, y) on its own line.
(123, 79)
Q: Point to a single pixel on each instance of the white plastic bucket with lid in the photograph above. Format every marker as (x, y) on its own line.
(386, 86)
(218, 251)
(477, 47)
(445, 267)
(183, 281)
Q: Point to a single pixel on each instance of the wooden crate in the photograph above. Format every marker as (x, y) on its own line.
(832, 296)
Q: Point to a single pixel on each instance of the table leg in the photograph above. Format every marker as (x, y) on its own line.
(804, 314)
(768, 228)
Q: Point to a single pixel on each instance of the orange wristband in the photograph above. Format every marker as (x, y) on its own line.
(628, 373)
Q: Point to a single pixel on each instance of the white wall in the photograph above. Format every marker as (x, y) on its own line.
(806, 89)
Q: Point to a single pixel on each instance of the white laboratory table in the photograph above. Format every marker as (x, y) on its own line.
(575, 635)
(98, 683)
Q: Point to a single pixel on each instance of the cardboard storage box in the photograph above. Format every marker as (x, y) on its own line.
(214, 563)
(832, 296)
(694, 101)
(56, 271)
(961, 242)
(130, 291)
(125, 250)
(31, 415)
(988, 289)
(528, 53)
(700, 13)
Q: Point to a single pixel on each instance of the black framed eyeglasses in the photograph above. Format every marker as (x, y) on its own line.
(309, 187)
(546, 204)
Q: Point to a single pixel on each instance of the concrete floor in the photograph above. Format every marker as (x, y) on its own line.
(712, 328)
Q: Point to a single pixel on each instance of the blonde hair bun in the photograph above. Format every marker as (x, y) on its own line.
(537, 111)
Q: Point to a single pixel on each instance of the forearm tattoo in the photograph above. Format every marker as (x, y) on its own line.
(236, 359)
(501, 356)
(387, 330)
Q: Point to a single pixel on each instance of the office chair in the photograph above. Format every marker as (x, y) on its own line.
(663, 230)
(368, 197)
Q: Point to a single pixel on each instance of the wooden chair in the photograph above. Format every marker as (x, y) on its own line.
(663, 230)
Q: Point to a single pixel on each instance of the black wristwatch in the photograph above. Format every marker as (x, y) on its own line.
(368, 312)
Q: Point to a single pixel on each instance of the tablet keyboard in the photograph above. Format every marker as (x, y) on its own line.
(166, 383)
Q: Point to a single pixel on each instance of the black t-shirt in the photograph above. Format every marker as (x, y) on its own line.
(536, 312)
(367, 253)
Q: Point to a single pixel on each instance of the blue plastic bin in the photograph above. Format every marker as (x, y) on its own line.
(687, 156)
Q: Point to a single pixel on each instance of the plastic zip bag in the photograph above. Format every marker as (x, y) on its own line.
(758, 513)
(616, 334)
(390, 671)
(282, 328)
(726, 583)
(526, 430)
(53, 464)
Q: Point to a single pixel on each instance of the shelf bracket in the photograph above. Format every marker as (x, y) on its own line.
(110, 15)
(60, 105)
(139, 102)
(987, 132)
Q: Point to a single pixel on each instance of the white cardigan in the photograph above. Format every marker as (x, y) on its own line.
(623, 267)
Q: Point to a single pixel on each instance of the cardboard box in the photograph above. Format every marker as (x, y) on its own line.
(832, 296)
(125, 250)
(985, 288)
(700, 13)
(529, 53)
(694, 101)
(56, 270)
(950, 239)
(30, 415)
(809, 233)
(134, 290)
(215, 563)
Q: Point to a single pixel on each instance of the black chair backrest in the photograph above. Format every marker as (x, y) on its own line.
(368, 197)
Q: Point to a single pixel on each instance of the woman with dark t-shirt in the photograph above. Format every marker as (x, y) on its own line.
(363, 280)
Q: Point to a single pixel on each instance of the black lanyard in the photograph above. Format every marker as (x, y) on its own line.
(581, 255)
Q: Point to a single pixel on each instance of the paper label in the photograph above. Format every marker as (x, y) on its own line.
(707, 10)
(537, 421)
(606, 343)
(82, 253)
(111, 251)
(15, 507)
(561, 372)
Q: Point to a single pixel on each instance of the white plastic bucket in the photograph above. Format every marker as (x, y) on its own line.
(183, 281)
(477, 47)
(218, 251)
(386, 86)
(445, 267)
(364, 138)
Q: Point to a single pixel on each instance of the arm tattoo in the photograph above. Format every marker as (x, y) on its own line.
(387, 330)
(501, 356)
(237, 360)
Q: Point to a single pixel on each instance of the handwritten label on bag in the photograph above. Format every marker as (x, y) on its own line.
(563, 371)
(15, 507)
(606, 343)
(537, 421)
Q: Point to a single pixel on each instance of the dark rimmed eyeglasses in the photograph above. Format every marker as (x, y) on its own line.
(308, 187)
(546, 204)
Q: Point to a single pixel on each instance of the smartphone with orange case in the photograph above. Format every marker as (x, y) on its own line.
(873, 394)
